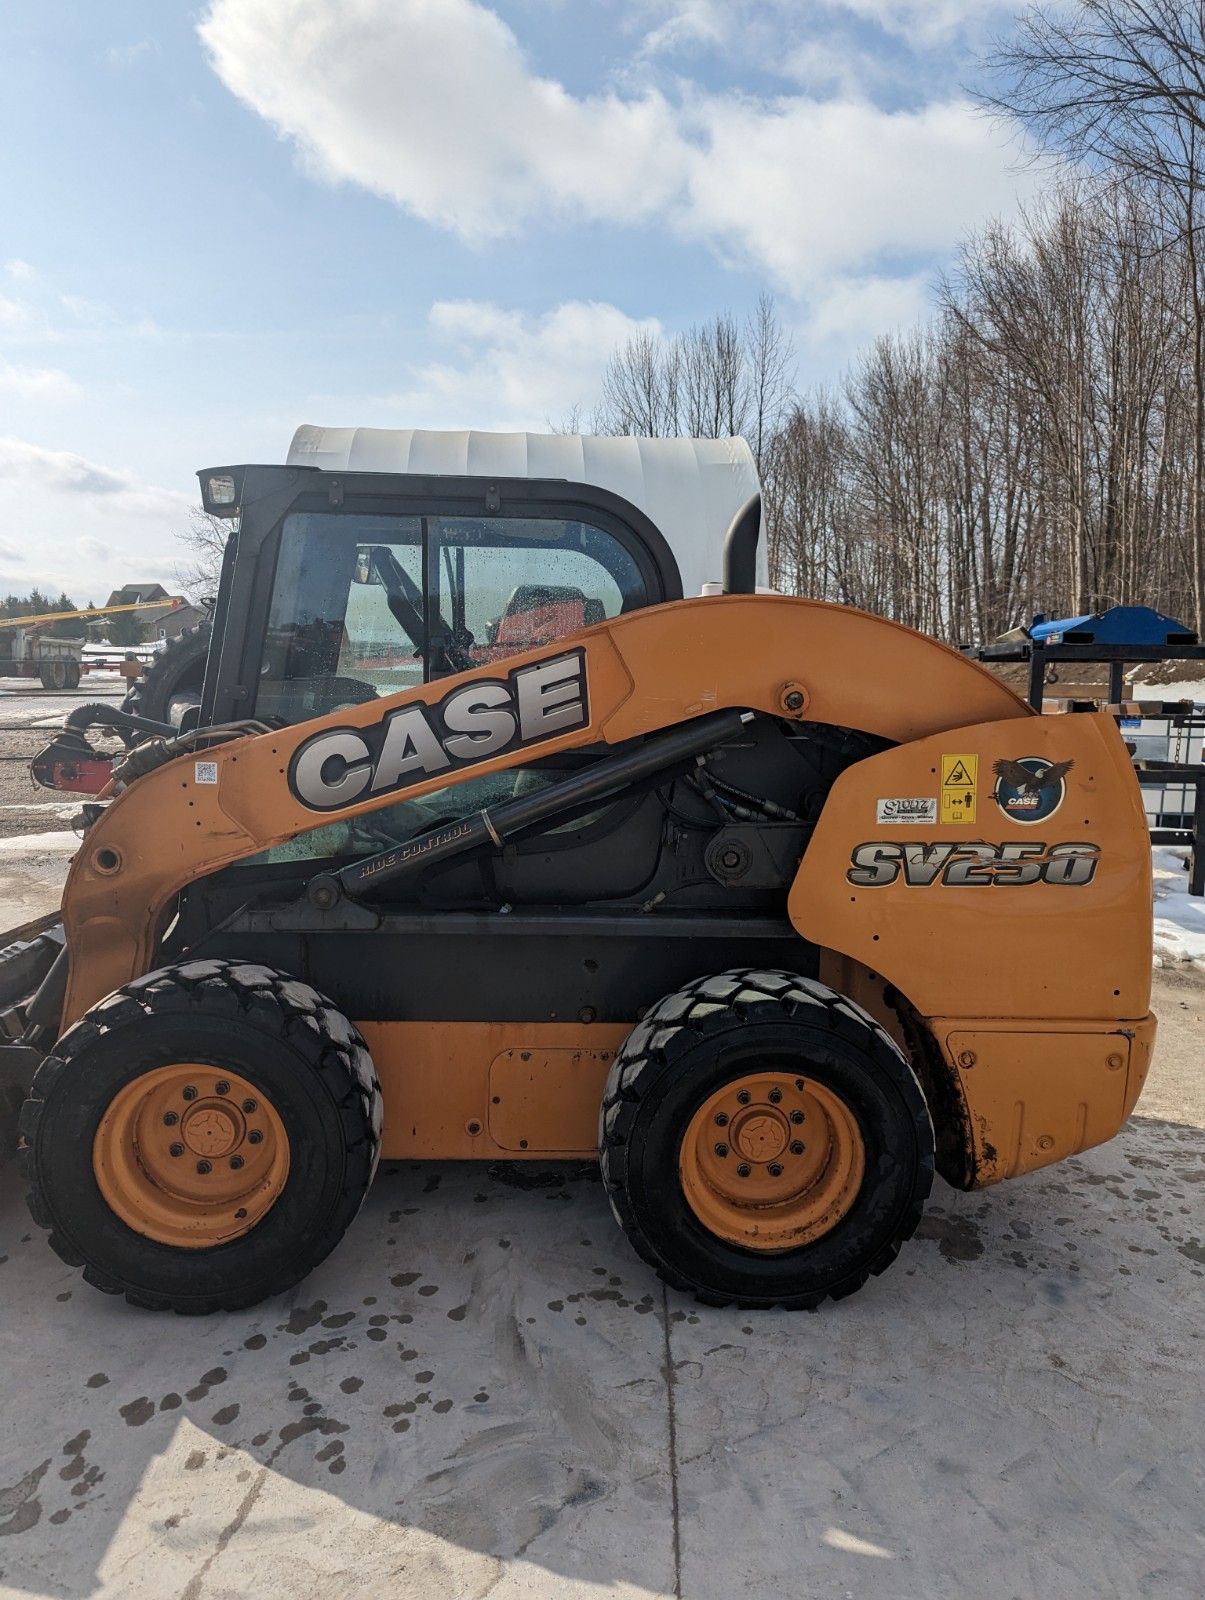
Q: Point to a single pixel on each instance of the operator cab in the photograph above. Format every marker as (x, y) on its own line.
(348, 580)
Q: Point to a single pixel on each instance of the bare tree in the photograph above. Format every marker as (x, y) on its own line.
(204, 542)
(1120, 85)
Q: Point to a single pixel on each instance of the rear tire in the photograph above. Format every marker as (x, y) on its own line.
(54, 674)
(115, 1165)
(695, 1097)
(174, 679)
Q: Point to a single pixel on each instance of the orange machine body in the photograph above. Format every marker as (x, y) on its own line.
(1017, 977)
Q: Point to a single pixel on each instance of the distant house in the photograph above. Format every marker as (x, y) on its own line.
(157, 622)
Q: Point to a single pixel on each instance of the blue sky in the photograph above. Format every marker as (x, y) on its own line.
(224, 219)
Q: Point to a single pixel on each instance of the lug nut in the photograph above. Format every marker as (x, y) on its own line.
(796, 1117)
(721, 1119)
(743, 1170)
(255, 1137)
(240, 1213)
(190, 1093)
(774, 1170)
(222, 1086)
(721, 1149)
(249, 1106)
(744, 1097)
(203, 1167)
(170, 1119)
(175, 1150)
(796, 1147)
(774, 1096)
(235, 1163)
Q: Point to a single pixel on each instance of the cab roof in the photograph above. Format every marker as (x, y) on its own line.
(690, 488)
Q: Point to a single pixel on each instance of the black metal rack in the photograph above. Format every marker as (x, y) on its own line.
(1039, 655)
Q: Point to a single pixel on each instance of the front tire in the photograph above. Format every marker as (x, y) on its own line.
(763, 1141)
(202, 1138)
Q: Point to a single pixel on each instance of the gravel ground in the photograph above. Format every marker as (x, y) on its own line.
(29, 718)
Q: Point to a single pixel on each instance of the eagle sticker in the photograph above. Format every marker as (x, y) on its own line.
(1031, 789)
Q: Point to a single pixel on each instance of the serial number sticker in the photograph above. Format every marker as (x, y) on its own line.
(959, 780)
(920, 809)
(206, 771)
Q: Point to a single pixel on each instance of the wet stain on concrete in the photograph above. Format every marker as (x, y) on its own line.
(256, 1342)
(170, 1402)
(956, 1238)
(403, 1280)
(226, 1415)
(20, 1510)
(297, 1430)
(97, 1380)
(339, 1320)
(350, 1385)
(457, 1313)
(138, 1411)
(306, 1317)
(209, 1380)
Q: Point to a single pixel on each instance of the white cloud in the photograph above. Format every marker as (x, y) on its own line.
(109, 489)
(20, 270)
(94, 549)
(857, 310)
(38, 383)
(926, 21)
(511, 369)
(432, 104)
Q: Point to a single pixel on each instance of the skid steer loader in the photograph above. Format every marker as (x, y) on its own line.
(492, 839)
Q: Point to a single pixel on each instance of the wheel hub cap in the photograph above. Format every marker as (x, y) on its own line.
(210, 1130)
(761, 1137)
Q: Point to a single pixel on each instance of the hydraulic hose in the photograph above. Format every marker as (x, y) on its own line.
(406, 862)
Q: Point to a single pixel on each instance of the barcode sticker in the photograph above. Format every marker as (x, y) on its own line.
(207, 771)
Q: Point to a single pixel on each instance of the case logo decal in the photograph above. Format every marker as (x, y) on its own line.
(472, 723)
(1031, 789)
(975, 865)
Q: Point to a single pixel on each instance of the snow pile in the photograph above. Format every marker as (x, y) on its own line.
(1179, 917)
(1138, 688)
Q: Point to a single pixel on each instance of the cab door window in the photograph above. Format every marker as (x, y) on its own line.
(363, 606)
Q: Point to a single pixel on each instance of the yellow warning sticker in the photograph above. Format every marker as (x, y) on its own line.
(959, 781)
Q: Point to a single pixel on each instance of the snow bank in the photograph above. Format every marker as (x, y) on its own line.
(1179, 917)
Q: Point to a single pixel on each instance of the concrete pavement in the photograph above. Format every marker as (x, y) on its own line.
(483, 1392)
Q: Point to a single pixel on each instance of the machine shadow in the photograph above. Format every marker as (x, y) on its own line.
(482, 1374)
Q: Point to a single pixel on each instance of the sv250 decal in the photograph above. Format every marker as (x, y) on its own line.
(471, 724)
(974, 865)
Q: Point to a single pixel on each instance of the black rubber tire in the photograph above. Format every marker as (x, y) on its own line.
(276, 1032)
(174, 679)
(10, 1116)
(73, 675)
(720, 1028)
(53, 674)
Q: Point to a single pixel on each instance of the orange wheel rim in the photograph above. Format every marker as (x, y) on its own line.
(190, 1155)
(772, 1161)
